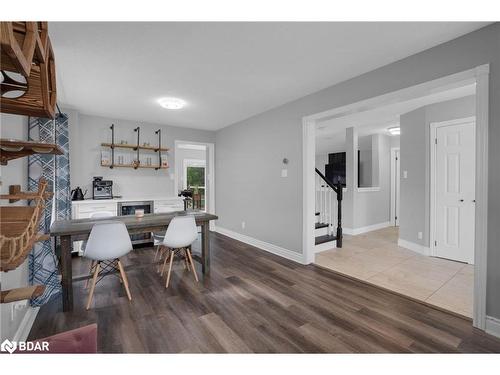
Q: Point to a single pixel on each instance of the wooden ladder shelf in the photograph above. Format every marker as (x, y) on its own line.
(19, 228)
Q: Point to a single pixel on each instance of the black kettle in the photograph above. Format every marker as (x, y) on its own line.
(77, 194)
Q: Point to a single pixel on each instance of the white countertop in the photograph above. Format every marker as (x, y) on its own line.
(126, 199)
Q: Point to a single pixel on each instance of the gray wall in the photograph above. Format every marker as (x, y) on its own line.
(14, 173)
(370, 207)
(321, 161)
(415, 159)
(365, 162)
(88, 132)
(249, 186)
(413, 147)
(251, 150)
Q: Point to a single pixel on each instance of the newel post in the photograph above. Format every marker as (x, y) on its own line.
(339, 213)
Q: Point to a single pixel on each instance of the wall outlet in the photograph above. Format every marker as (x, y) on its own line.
(242, 225)
(284, 173)
(405, 174)
(420, 235)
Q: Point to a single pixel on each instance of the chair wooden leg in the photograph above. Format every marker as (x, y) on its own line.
(94, 281)
(125, 280)
(160, 251)
(186, 260)
(156, 252)
(120, 278)
(90, 273)
(167, 257)
(192, 264)
(170, 267)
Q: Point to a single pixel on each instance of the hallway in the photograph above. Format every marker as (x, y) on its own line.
(376, 258)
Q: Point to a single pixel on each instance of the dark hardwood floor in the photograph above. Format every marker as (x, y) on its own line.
(256, 302)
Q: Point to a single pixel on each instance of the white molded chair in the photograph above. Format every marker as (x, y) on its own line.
(95, 215)
(181, 233)
(107, 243)
(157, 242)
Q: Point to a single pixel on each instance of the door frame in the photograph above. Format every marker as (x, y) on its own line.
(210, 176)
(478, 75)
(432, 176)
(393, 183)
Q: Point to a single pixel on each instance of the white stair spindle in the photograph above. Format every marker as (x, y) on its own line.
(324, 203)
(330, 210)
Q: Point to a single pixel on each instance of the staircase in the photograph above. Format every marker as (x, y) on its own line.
(328, 225)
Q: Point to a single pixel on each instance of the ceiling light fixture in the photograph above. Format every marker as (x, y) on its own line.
(172, 103)
(396, 130)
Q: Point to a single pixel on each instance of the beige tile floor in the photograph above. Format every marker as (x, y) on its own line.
(376, 258)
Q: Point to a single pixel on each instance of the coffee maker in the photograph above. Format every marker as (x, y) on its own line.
(102, 189)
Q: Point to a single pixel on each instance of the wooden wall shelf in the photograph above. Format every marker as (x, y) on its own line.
(134, 147)
(13, 149)
(134, 166)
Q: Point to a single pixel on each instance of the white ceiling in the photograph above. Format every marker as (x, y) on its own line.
(330, 134)
(225, 71)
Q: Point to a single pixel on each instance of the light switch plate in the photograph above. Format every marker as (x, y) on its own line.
(284, 173)
(405, 174)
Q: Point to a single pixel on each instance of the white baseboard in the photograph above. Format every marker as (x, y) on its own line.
(25, 326)
(269, 247)
(369, 228)
(493, 326)
(421, 249)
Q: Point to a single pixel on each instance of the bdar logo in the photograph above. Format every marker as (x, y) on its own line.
(8, 346)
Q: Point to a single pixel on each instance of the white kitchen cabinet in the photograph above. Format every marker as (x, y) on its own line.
(168, 205)
(85, 209)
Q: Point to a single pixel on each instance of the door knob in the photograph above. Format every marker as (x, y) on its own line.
(473, 201)
(461, 200)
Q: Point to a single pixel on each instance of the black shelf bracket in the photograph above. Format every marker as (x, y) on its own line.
(138, 161)
(158, 149)
(112, 127)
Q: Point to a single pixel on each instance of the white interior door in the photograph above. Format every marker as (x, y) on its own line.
(455, 192)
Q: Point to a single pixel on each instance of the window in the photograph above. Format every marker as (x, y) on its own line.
(195, 179)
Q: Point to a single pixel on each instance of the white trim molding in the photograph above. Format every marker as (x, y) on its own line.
(24, 328)
(308, 188)
(481, 237)
(209, 176)
(421, 249)
(266, 246)
(478, 75)
(492, 326)
(369, 228)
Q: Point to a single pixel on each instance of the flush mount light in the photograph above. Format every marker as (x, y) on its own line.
(394, 130)
(172, 103)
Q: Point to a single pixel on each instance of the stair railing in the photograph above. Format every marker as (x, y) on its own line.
(326, 192)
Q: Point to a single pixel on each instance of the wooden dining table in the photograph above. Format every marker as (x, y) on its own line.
(67, 231)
